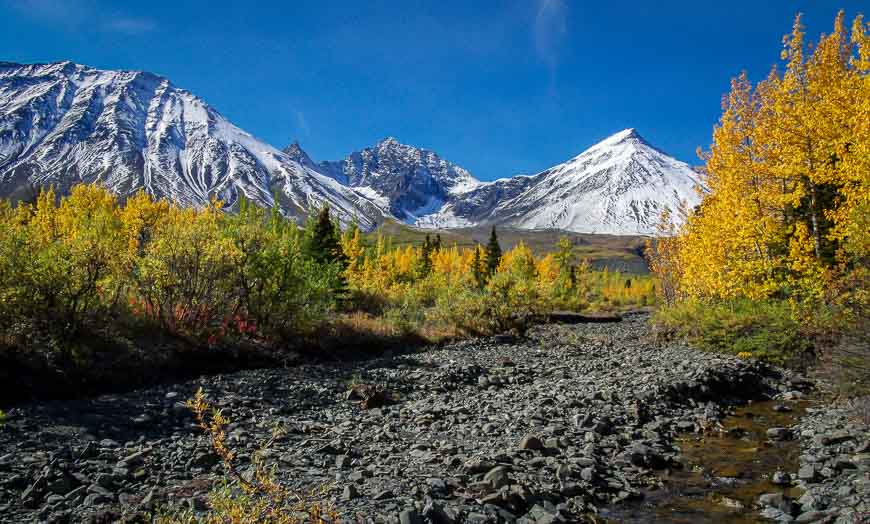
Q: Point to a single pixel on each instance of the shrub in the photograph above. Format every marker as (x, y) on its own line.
(61, 264)
(280, 288)
(766, 330)
(183, 280)
(84, 265)
(248, 499)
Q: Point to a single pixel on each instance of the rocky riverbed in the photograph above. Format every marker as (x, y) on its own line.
(550, 427)
(833, 479)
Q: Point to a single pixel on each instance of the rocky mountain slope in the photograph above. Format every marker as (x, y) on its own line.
(408, 181)
(64, 123)
(618, 186)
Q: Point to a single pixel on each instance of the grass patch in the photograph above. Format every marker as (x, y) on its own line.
(846, 363)
(766, 330)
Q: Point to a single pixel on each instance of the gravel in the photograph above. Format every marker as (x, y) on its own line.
(545, 428)
(834, 473)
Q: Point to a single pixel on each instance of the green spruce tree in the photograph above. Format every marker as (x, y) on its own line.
(425, 262)
(323, 238)
(493, 253)
(324, 246)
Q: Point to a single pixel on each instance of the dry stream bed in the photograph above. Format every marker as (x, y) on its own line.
(571, 423)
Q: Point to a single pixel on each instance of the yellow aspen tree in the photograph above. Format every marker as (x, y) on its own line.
(787, 168)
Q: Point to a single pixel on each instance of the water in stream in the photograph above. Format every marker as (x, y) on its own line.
(723, 474)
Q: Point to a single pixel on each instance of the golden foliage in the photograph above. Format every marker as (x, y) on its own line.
(449, 295)
(85, 264)
(787, 174)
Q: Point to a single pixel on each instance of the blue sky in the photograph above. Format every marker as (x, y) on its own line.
(498, 87)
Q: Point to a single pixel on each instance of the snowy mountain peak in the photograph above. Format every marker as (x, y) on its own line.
(625, 134)
(390, 141)
(63, 123)
(620, 185)
(295, 152)
(627, 138)
(409, 181)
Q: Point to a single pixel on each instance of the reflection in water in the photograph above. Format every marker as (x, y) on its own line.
(723, 473)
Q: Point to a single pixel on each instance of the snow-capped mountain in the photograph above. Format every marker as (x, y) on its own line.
(409, 182)
(64, 123)
(619, 186)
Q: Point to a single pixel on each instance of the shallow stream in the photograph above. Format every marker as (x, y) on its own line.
(723, 473)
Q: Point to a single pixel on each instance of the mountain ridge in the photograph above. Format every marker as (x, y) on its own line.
(63, 123)
(619, 185)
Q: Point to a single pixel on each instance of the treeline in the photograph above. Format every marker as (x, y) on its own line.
(787, 215)
(86, 264)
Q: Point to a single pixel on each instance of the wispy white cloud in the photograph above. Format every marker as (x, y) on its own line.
(302, 127)
(551, 26)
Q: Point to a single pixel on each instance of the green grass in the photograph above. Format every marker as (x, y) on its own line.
(2, 417)
(766, 330)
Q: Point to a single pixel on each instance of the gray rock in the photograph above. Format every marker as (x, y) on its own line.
(63, 485)
(349, 493)
(35, 490)
(832, 439)
(780, 479)
(497, 477)
(383, 495)
(776, 514)
(95, 499)
(779, 501)
(436, 514)
(809, 501)
(410, 516)
(808, 473)
(812, 516)
(532, 443)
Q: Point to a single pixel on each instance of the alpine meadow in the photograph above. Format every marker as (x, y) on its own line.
(199, 327)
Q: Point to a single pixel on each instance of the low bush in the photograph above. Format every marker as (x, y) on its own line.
(248, 498)
(766, 330)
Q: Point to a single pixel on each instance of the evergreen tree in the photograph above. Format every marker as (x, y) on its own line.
(324, 246)
(323, 239)
(493, 253)
(436, 246)
(425, 262)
